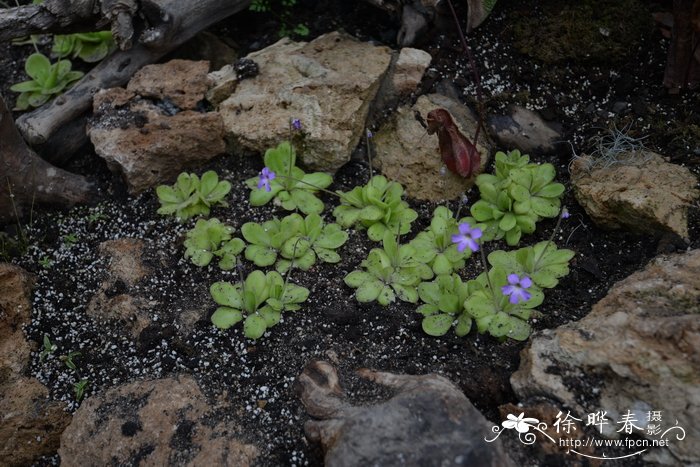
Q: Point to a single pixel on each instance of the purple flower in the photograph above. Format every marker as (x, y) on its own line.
(369, 133)
(265, 176)
(296, 124)
(517, 288)
(565, 213)
(467, 237)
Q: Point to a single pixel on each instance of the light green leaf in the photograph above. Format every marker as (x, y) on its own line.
(224, 318)
(254, 326)
(437, 325)
(368, 290)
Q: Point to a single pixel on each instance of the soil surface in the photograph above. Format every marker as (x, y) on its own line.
(613, 86)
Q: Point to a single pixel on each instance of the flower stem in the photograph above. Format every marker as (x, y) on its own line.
(474, 70)
(291, 266)
(549, 242)
(313, 186)
(496, 302)
(369, 156)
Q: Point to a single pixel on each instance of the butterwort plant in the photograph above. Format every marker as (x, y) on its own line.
(388, 273)
(378, 207)
(47, 80)
(285, 183)
(502, 299)
(191, 196)
(258, 301)
(436, 248)
(516, 197)
(211, 238)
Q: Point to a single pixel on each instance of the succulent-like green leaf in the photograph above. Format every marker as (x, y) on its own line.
(224, 317)
(369, 290)
(226, 294)
(437, 325)
(254, 326)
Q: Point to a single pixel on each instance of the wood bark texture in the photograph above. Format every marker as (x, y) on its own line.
(26, 179)
(683, 63)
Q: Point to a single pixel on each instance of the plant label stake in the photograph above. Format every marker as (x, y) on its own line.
(458, 153)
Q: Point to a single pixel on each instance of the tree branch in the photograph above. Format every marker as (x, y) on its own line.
(27, 179)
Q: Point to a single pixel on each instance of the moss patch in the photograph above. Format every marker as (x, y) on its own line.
(585, 31)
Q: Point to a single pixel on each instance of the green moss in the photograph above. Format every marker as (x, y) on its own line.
(585, 31)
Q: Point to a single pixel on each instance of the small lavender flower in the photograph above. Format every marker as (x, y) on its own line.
(296, 124)
(369, 133)
(565, 213)
(467, 237)
(464, 200)
(517, 288)
(265, 176)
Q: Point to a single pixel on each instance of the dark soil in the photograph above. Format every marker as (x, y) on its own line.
(583, 96)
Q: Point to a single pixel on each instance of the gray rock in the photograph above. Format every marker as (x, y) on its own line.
(150, 132)
(328, 84)
(409, 69)
(642, 193)
(404, 152)
(158, 422)
(638, 350)
(525, 130)
(402, 79)
(428, 422)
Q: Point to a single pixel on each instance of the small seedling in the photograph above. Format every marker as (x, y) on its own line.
(287, 184)
(96, 216)
(68, 359)
(48, 80)
(79, 389)
(191, 196)
(48, 348)
(70, 239)
(45, 262)
(378, 207)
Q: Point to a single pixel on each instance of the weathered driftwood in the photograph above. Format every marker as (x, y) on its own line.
(26, 179)
(162, 25)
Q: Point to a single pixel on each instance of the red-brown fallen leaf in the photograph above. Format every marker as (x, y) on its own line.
(458, 153)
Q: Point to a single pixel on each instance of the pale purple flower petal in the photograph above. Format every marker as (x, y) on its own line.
(565, 213)
(296, 124)
(265, 176)
(517, 288)
(467, 237)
